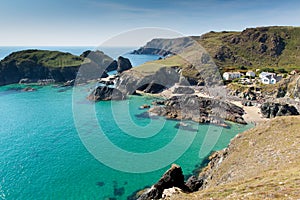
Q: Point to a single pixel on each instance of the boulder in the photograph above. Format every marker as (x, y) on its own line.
(271, 110)
(194, 183)
(106, 93)
(123, 64)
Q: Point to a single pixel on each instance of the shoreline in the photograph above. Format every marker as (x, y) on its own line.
(252, 113)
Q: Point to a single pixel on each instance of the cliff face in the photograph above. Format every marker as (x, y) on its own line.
(41, 64)
(261, 163)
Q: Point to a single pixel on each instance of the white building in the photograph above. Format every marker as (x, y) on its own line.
(250, 74)
(231, 75)
(269, 78)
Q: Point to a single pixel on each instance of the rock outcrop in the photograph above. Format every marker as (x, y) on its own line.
(123, 64)
(133, 80)
(172, 178)
(271, 110)
(105, 93)
(199, 109)
(101, 59)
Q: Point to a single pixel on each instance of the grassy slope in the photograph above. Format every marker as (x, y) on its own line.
(244, 52)
(248, 48)
(263, 163)
(46, 58)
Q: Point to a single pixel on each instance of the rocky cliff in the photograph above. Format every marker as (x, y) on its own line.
(261, 163)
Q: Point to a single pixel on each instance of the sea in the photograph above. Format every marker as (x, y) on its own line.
(55, 144)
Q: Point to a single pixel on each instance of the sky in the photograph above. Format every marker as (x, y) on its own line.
(94, 22)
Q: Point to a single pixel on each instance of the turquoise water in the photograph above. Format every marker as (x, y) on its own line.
(42, 156)
(50, 147)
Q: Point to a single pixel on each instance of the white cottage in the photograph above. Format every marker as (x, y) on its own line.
(269, 78)
(231, 75)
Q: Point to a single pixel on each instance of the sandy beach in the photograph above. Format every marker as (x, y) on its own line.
(252, 113)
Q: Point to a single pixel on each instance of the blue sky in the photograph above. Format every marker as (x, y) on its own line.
(90, 22)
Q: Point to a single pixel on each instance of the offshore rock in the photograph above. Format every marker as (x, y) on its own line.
(123, 64)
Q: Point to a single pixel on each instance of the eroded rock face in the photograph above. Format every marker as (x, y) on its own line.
(132, 80)
(271, 110)
(105, 93)
(172, 178)
(199, 109)
(123, 64)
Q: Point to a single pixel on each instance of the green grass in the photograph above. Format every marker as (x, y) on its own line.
(46, 58)
(244, 53)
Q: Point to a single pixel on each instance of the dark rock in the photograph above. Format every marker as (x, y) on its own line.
(247, 103)
(145, 106)
(199, 109)
(132, 80)
(123, 64)
(194, 183)
(104, 82)
(28, 89)
(224, 53)
(154, 88)
(172, 178)
(106, 93)
(271, 110)
(183, 90)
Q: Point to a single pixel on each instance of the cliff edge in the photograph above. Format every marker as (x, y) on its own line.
(261, 163)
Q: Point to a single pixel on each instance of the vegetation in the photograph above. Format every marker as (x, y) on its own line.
(272, 49)
(276, 47)
(45, 58)
(262, 163)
